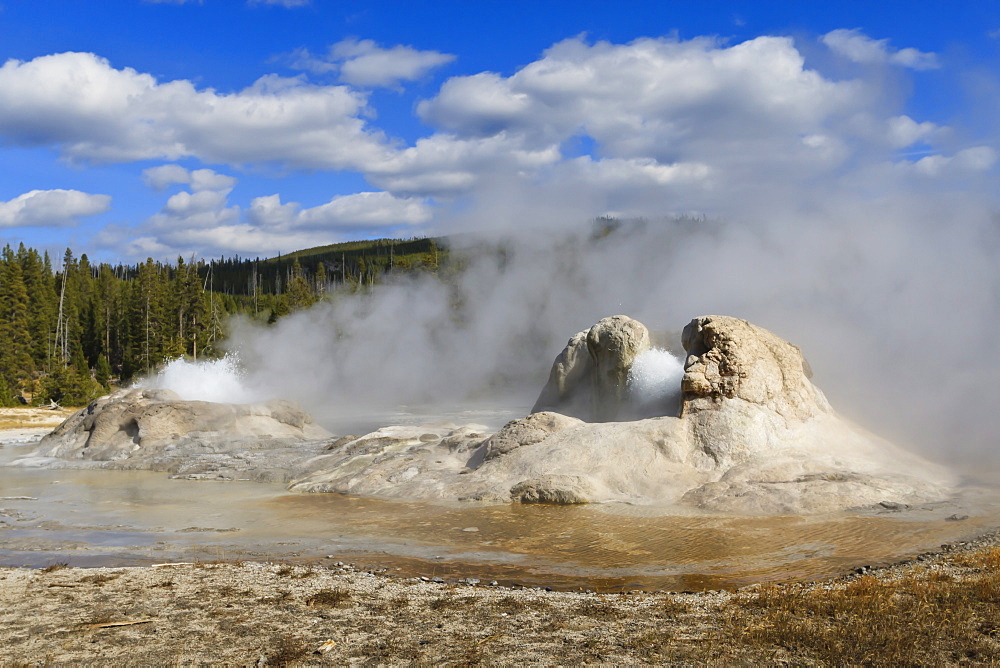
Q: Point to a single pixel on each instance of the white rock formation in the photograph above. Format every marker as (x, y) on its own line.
(754, 436)
(155, 429)
(588, 378)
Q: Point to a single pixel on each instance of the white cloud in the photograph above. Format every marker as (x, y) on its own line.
(619, 172)
(364, 63)
(903, 131)
(649, 98)
(202, 220)
(860, 48)
(94, 112)
(970, 160)
(360, 210)
(366, 209)
(651, 126)
(51, 208)
(159, 178)
(654, 108)
(446, 165)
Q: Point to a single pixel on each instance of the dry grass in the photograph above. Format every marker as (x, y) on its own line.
(55, 567)
(101, 578)
(285, 651)
(330, 597)
(23, 424)
(924, 617)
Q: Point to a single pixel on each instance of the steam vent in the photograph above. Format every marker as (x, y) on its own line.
(743, 430)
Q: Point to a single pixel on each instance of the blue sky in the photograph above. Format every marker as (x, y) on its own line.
(131, 128)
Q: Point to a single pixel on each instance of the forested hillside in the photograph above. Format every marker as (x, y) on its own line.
(69, 329)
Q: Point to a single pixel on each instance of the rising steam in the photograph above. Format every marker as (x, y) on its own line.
(816, 219)
(896, 316)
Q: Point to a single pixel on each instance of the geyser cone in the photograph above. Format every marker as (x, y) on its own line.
(754, 435)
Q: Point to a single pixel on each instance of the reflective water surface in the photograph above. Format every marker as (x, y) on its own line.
(97, 517)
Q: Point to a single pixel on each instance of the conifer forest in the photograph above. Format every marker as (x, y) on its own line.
(71, 329)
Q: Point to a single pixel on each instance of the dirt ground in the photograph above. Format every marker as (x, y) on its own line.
(936, 609)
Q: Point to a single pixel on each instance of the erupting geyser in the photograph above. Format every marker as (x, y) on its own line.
(221, 381)
(738, 426)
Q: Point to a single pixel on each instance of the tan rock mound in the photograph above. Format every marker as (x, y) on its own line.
(588, 378)
(155, 429)
(754, 435)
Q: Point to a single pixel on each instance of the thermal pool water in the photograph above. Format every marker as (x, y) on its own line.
(103, 517)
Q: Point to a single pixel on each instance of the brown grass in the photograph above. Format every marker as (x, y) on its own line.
(55, 567)
(330, 597)
(284, 651)
(924, 617)
(100, 578)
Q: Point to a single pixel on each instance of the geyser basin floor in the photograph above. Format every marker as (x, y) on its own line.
(99, 517)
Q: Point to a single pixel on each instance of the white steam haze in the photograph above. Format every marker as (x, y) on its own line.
(807, 202)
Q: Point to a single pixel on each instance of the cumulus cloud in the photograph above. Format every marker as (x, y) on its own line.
(860, 48)
(659, 113)
(903, 131)
(445, 165)
(712, 111)
(365, 63)
(649, 127)
(51, 208)
(357, 211)
(645, 96)
(159, 178)
(201, 219)
(970, 160)
(91, 111)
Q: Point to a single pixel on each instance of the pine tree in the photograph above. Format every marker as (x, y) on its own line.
(16, 364)
(40, 285)
(300, 294)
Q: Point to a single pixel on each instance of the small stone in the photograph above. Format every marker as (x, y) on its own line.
(471, 529)
(956, 518)
(893, 505)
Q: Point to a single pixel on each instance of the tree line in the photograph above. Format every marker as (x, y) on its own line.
(71, 329)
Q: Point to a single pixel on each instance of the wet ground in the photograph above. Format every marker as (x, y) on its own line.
(103, 517)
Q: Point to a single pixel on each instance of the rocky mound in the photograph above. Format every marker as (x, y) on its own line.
(155, 429)
(588, 378)
(754, 435)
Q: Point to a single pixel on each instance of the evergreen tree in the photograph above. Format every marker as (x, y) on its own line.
(300, 294)
(16, 364)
